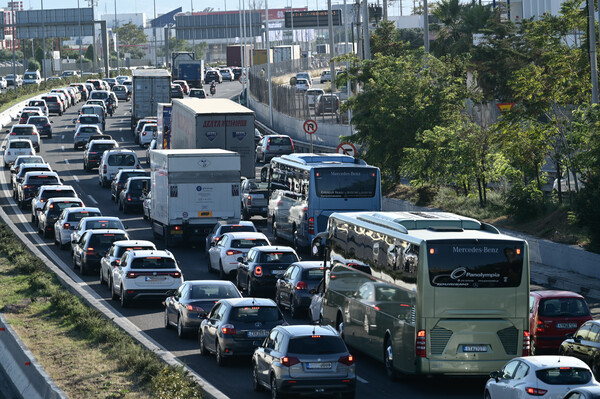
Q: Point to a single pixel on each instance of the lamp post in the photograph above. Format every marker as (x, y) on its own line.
(267, 44)
(80, 45)
(43, 40)
(154, 32)
(116, 37)
(192, 32)
(12, 7)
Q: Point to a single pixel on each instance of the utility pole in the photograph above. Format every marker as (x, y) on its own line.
(193, 33)
(332, 45)
(365, 26)
(12, 6)
(592, 44)
(92, 4)
(80, 45)
(43, 40)
(116, 36)
(426, 26)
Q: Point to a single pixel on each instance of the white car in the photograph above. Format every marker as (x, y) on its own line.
(25, 159)
(51, 211)
(548, 377)
(83, 133)
(148, 134)
(67, 223)
(25, 132)
(95, 223)
(16, 148)
(45, 193)
(114, 254)
(38, 102)
(223, 227)
(113, 161)
(145, 275)
(223, 256)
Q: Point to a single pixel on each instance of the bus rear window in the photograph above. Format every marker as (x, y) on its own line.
(345, 182)
(475, 264)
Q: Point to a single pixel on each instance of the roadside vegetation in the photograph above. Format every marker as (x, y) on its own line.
(418, 116)
(87, 355)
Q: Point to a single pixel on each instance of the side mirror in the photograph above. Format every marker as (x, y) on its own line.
(7, 130)
(577, 339)
(114, 263)
(240, 259)
(312, 292)
(495, 375)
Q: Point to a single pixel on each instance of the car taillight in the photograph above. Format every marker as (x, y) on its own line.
(66, 226)
(232, 252)
(128, 197)
(249, 200)
(300, 285)
(291, 141)
(175, 274)
(13, 134)
(540, 326)
(311, 225)
(89, 251)
(526, 343)
(105, 169)
(268, 144)
(535, 391)
(143, 133)
(289, 361)
(138, 166)
(47, 125)
(347, 360)
(258, 271)
(34, 134)
(228, 329)
(421, 344)
(131, 275)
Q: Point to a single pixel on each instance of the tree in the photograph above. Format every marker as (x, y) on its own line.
(33, 65)
(131, 34)
(89, 53)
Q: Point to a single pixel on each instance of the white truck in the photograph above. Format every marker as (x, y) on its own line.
(150, 87)
(191, 191)
(286, 53)
(214, 123)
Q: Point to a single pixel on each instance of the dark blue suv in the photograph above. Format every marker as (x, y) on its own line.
(43, 125)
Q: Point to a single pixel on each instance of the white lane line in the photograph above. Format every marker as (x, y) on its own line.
(93, 200)
(120, 129)
(67, 161)
(362, 380)
(76, 178)
(62, 147)
(62, 137)
(122, 139)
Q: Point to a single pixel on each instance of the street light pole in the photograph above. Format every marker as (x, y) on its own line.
(43, 40)
(154, 31)
(268, 63)
(192, 30)
(80, 45)
(12, 7)
(117, 36)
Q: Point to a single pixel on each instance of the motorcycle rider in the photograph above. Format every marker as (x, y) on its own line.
(213, 87)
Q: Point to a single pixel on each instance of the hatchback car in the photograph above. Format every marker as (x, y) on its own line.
(538, 376)
(143, 275)
(27, 113)
(308, 360)
(79, 139)
(235, 327)
(198, 93)
(226, 74)
(95, 223)
(193, 300)
(25, 159)
(312, 95)
(302, 85)
(46, 192)
(42, 124)
(94, 109)
(114, 254)
(67, 223)
(121, 92)
(592, 392)
(552, 316)
(31, 183)
(176, 91)
(119, 181)
(132, 194)
(92, 246)
(213, 76)
(14, 149)
(584, 344)
(83, 133)
(147, 134)
(224, 254)
(273, 146)
(327, 103)
(254, 198)
(51, 210)
(17, 177)
(54, 103)
(259, 271)
(140, 126)
(38, 102)
(325, 76)
(294, 289)
(94, 150)
(184, 86)
(25, 132)
(223, 227)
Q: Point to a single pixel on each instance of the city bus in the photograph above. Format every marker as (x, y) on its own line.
(304, 189)
(426, 292)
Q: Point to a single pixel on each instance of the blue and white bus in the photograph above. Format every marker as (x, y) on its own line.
(306, 188)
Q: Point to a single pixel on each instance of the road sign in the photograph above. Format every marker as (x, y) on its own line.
(346, 149)
(503, 107)
(310, 126)
(242, 79)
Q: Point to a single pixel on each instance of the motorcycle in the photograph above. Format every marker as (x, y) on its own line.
(213, 89)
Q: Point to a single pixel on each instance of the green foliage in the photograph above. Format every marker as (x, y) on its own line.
(33, 65)
(131, 34)
(89, 52)
(172, 382)
(525, 201)
(39, 55)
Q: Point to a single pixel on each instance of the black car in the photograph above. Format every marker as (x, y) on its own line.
(176, 91)
(119, 181)
(198, 93)
(261, 268)
(293, 288)
(213, 76)
(132, 194)
(585, 345)
(94, 151)
(89, 250)
(43, 125)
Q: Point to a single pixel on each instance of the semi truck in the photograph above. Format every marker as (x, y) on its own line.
(214, 123)
(192, 190)
(150, 87)
(190, 71)
(163, 131)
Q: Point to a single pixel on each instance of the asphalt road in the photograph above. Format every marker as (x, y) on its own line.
(234, 380)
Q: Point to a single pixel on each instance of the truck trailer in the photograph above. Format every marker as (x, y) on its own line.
(150, 87)
(192, 190)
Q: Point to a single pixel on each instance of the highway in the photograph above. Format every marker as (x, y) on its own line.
(234, 380)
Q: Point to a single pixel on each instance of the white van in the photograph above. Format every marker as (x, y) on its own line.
(114, 160)
(32, 77)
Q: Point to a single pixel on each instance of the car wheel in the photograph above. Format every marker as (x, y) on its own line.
(221, 361)
(124, 301)
(113, 294)
(487, 395)
(83, 268)
(203, 350)
(125, 208)
(245, 214)
(250, 289)
(274, 391)
(388, 360)
(237, 281)
(264, 158)
(222, 275)
(101, 277)
(180, 328)
(293, 309)
(255, 384)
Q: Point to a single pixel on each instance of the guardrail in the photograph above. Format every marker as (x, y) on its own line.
(300, 146)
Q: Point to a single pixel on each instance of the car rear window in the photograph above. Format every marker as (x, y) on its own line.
(121, 250)
(33, 169)
(37, 119)
(57, 208)
(51, 99)
(279, 141)
(19, 144)
(235, 228)
(48, 180)
(213, 292)
(105, 240)
(137, 185)
(88, 119)
(121, 160)
(252, 314)
(127, 175)
(248, 243)
(153, 262)
(278, 257)
(564, 376)
(316, 345)
(77, 216)
(103, 224)
(563, 307)
(23, 130)
(101, 147)
(88, 129)
(57, 193)
(313, 274)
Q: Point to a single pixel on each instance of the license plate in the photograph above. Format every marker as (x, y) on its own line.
(176, 231)
(566, 325)
(475, 348)
(257, 333)
(155, 278)
(315, 366)
(277, 272)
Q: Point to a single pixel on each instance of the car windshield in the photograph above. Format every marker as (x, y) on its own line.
(252, 314)
(248, 243)
(153, 262)
(278, 257)
(564, 376)
(316, 345)
(103, 224)
(203, 291)
(563, 307)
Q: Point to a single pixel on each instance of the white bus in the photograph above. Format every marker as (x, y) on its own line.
(307, 188)
(427, 292)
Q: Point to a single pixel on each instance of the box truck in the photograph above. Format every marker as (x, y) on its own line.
(214, 123)
(286, 53)
(190, 71)
(163, 131)
(150, 87)
(234, 55)
(191, 191)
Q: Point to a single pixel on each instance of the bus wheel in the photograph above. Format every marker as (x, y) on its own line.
(388, 360)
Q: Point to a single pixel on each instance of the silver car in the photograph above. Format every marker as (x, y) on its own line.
(304, 359)
(273, 146)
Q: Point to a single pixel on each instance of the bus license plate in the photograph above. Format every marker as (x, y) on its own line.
(475, 348)
(314, 366)
(566, 325)
(257, 333)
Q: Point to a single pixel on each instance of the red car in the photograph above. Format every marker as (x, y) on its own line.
(552, 316)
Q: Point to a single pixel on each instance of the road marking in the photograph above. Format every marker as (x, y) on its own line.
(76, 178)
(93, 200)
(62, 147)
(122, 139)
(67, 161)
(362, 380)
(62, 137)
(120, 129)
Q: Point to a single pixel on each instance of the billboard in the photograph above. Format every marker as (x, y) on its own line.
(312, 19)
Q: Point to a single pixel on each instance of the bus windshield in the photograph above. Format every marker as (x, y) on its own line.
(475, 264)
(345, 182)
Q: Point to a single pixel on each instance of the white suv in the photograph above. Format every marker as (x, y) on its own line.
(145, 275)
(113, 161)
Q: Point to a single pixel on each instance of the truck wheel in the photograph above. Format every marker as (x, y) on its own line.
(166, 237)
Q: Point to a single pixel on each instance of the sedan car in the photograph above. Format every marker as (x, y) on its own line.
(231, 246)
(94, 150)
(584, 344)
(259, 271)
(119, 181)
(92, 246)
(552, 316)
(223, 227)
(68, 221)
(235, 327)
(309, 360)
(193, 301)
(254, 198)
(295, 287)
(132, 194)
(114, 254)
(546, 376)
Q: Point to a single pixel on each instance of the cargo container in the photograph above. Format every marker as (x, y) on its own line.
(322, 48)
(259, 56)
(163, 131)
(191, 71)
(286, 53)
(150, 87)
(192, 190)
(180, 56)
(234, 55)
(214, 123)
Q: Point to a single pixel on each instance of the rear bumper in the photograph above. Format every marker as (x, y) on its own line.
(147, 294)
(314, 386)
